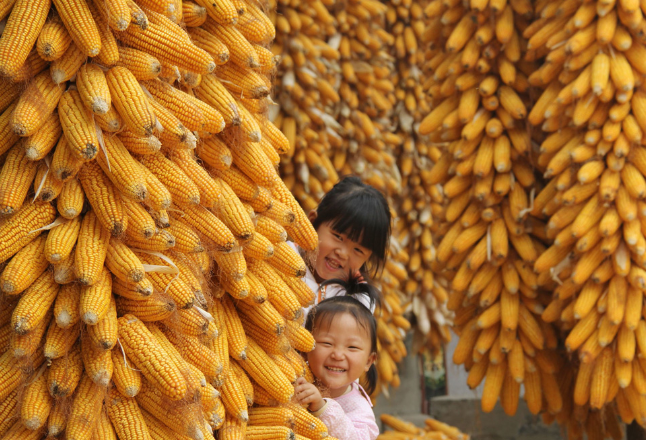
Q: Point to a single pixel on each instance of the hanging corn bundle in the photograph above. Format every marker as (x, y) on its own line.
(146, 286)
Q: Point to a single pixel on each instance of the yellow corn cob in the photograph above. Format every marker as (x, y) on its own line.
(197, 354)
(215, 94)
(61, 240)
(104, 199)
(181, 293)
(235, 332)
(34, 304)
(307, 425)
(103, 429)
(78, 126)
(104, 333)
(287, 261)
(53, 40)
(18, 39)
(194, 14)
(24, 268)
(94, 303)
(20, 431)
(130, 101)
(183, 419)
(181, 187)
(96, 362)
(36, 403)
(40, 144)
(147, 355)
(215, 153)
(58, 341)
(122, 169)
(192, 323)
(222, 11)
(46, 186)
(264, 371)
(263, 315)
(70, 200)
(125, 377)
(66, 306)
(123, 263)
(65, 67)
(259, 247)
(86, 409)
(270, 229)
(210, 226)
(15, 179)
(91, 249)
(186, 239)
(125, 415)
(268, 416)
(57, 417)
(158, 430)
(233, 397)
(209, 42)
(141, 64)
(256, 26)
(208, 188)
(93, 88)
(260, 432)
(115, 12)
(155, 307)
(168, 48)
(83, 29)
(241, 81)
(232, 213)
(300, 339)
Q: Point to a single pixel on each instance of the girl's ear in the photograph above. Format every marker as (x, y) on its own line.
(371, 360)
(312, 215)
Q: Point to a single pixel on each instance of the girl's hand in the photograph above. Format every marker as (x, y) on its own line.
(307, 393)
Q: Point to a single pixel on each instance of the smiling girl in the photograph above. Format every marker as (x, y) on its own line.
(353, 226)
(345, 332)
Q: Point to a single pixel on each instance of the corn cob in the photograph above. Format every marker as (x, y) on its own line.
(36, 404)
(125, 415)
(151, 360)
(104, 198)
(18, 40)
(78, 126)
(86, 409)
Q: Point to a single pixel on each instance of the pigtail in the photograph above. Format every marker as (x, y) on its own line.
(369, 382)
(355, 286)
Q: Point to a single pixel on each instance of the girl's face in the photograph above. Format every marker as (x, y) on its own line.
(342, 354)
(337, 255)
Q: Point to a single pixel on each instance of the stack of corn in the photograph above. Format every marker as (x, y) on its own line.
(348, 95)
(147, 288)
(434, 430)
(332, 86)
(414, 226)
(592, 113)
(487, 242)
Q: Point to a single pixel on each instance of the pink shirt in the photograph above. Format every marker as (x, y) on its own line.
(350, 416)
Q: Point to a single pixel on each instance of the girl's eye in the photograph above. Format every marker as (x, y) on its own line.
(359, 251)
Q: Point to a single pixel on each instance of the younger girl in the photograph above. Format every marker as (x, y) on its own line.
(345, 332)
(353, 226)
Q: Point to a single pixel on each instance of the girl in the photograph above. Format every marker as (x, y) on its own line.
(345, 332)
(353, 226)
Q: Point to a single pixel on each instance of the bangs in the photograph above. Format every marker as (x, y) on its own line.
(363, 220)
(322, 316)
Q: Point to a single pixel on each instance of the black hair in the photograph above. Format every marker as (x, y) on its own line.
(324, 312)
(362, 213)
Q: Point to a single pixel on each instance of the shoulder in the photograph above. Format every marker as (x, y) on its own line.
(355, 402)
